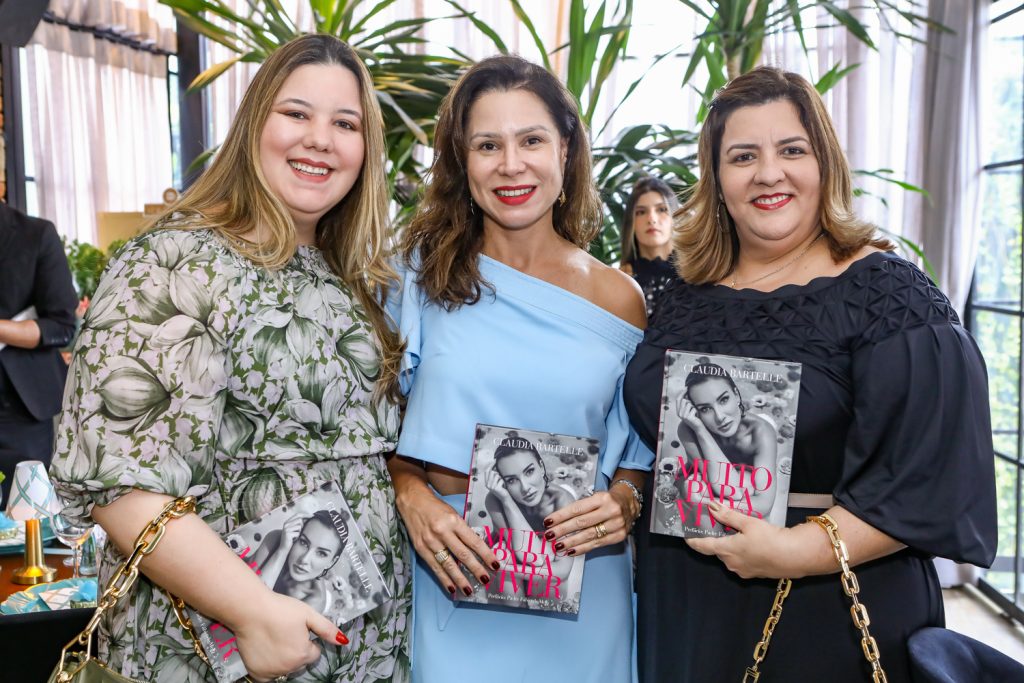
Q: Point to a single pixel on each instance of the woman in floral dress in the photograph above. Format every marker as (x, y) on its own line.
(239, 353)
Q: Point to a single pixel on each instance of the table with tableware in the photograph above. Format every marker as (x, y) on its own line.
(31, 633)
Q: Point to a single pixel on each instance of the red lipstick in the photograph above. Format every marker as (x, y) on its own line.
(517, 199)
(772, 207)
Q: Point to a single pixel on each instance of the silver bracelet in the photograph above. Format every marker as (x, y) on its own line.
(639, 497)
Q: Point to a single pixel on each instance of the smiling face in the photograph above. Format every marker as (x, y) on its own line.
(652, 225)
(311, 147)
(718, 406)
(523, 476)
(314, 551)
(514, 160)
(769, 176)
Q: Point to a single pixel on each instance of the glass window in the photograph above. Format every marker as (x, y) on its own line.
(995, 311)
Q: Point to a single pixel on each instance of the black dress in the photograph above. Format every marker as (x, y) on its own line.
(893, 421)
(653, 276)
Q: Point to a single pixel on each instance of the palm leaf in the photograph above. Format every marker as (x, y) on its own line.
(524, 18)
(481, 26)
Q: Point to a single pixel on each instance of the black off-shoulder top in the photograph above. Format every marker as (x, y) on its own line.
(893, 416)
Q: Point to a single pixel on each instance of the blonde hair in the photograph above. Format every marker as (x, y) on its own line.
(706, 243)
(233, 196)
(446, 233)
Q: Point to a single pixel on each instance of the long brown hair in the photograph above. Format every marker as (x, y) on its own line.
(233, 196)
(647, 184)
(446, 233)
(706, 243)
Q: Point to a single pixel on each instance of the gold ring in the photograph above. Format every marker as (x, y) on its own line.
(442, 555)
(601, 531)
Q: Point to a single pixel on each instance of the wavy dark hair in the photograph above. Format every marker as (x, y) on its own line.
(446, 234)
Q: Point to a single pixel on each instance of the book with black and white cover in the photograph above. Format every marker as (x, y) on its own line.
(517, 477)
(726, 435)
(310, 548)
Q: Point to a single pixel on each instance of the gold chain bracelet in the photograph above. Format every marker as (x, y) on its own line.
(851, 587)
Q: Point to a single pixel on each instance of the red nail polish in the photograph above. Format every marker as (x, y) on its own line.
(485, 579)
(571, 552)
(550, 535)
(559, 545)
(451, 589)
(495, 566)
(467, 591)
(342, 640)
(548, 522)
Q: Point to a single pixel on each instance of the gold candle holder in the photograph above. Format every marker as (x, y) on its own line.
(34, 570)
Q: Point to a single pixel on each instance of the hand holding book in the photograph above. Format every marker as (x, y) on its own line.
(577, 528)
(763, 550)
(279, 645)
(433, 526)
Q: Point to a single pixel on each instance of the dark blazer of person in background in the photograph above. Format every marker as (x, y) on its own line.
(33, 273)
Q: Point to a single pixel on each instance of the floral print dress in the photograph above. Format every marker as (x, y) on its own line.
(197, 372)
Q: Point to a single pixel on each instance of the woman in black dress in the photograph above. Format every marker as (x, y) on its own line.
(647, 238)
(893, 416)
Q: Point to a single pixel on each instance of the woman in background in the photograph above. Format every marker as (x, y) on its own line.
(239, 353)
(647, 238)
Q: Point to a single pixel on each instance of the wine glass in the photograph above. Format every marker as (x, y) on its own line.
(72, 535)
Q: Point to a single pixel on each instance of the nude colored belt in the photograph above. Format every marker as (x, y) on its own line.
(818, 501)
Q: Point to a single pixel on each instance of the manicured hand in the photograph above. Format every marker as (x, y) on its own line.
(278, 643)
(434, 525)
(573, 528)
(757, 550)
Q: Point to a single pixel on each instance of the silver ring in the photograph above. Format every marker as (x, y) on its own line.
(442, 555)
(600, 530)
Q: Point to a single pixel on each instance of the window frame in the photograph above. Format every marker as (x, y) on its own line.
(1011, 602)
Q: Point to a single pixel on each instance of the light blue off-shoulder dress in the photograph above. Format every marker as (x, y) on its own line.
(534, 356)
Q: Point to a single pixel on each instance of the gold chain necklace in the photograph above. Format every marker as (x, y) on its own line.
(781, 268)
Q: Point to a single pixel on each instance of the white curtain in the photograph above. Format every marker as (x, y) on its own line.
(98, 112)
(222, 97)
(869, 107)
(947, 142)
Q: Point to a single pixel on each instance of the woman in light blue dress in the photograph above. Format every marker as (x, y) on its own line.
(508, 321)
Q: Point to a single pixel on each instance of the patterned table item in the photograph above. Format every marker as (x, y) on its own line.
(46, 597)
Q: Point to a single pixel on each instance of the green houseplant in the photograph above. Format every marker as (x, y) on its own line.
(411, 85)
(87, 263)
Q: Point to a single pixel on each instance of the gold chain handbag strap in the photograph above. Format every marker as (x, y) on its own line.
(761, 649)
(851, 587)
(121, 583)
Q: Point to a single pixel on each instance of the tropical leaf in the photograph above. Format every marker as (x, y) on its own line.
(885, 175)
(832, 77)
(481, 26)
(524, 18)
